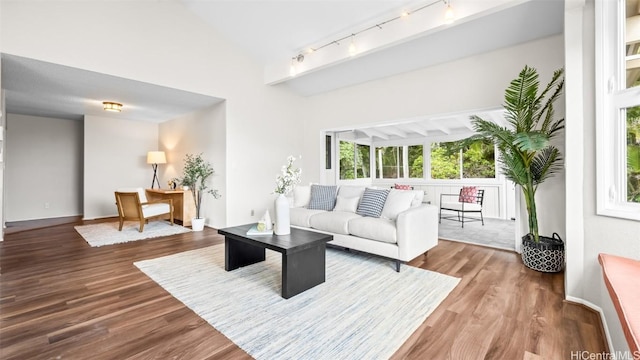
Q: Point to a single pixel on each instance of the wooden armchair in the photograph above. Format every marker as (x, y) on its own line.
(133, 206)
(465, 202)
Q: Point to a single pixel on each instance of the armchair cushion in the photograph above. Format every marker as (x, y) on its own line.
(459, 206)
(468, 194)
(156, 209)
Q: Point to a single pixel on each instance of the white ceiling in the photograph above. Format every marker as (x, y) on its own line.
(269, 30)
(44, 89)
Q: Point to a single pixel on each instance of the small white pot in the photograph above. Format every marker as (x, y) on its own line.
(197, 224)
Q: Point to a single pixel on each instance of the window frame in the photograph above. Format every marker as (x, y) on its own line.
(355, 160)
(612, 96)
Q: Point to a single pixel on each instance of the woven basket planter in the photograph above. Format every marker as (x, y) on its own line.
(547, 255)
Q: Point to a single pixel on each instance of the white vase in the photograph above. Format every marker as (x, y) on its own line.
(197, 224)
(283, 226)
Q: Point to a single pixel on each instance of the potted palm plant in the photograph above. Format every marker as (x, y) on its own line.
(527, 156)
(194, 175)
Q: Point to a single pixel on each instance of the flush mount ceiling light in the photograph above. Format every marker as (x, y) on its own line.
(111, 106)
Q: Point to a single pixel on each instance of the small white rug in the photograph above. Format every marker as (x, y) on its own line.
(364, 310)
(107, 233)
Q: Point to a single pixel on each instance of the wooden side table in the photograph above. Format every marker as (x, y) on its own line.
(183, 207)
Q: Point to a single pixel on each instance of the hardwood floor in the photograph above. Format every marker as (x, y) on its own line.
(61, 299)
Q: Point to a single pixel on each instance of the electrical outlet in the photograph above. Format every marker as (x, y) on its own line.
(252, 212)
(46, 205)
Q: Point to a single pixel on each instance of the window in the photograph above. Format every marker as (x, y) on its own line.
(462, 160)
(633, 154)
(415, 161)
(389, 162)
(397, 162)
(354, 160)
(618, 108)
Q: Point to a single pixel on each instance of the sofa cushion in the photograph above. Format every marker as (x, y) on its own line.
(351, 191)
(397, 202)
(374, 228)
(301, 196)
(323, 197)
(300, 216)
(333, 221)
(372, 202)
(349, 204)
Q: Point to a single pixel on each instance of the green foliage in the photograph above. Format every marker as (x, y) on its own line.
(633, 154)
(527, 156)
(416, 161)
(194, 175)
(347, 164)
(354, 160)
(478, 159)
(445, 163)
(391, 157)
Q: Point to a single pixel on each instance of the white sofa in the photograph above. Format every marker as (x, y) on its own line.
(406, 228)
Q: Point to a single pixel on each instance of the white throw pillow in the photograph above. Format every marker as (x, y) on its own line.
(418, 197)
(397, 202)
(301, 196)
(349, 204)
(351, 191)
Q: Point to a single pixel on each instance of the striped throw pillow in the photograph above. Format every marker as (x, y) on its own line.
(372, 202)
(323, 197)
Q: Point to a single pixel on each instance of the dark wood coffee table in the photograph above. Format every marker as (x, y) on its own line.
(303, 255)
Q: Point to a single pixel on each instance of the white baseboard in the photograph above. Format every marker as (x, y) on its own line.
(597, 308)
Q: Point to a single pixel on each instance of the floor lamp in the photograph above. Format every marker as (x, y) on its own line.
(154, 158)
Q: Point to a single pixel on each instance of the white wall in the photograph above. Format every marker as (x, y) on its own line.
(263, 123)
(201, 132)
(3, 148)
(44, 168)
(115, 156)
(477, 82)
(601, 234)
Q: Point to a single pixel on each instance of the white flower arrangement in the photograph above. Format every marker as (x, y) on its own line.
(288, 178)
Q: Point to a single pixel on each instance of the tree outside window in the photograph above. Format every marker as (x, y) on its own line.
(354, 160)
(463, 160)
(389, 162)
(416, 162)
(633, 154)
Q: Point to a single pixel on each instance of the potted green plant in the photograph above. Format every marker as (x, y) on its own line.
(194, 175)
(527, 156)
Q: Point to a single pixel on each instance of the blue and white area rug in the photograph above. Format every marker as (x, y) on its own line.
(364, 310)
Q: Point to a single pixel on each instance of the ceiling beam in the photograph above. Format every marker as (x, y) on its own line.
(440, 127)
(466, 122)
(371, 133)
(416, 128)
(393, 130)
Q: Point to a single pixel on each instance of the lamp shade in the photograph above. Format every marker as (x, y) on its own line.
(156, 157)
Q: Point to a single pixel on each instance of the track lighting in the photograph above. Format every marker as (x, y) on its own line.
(449, 18)
(293, 71)
(448, 14)
(352, 46)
